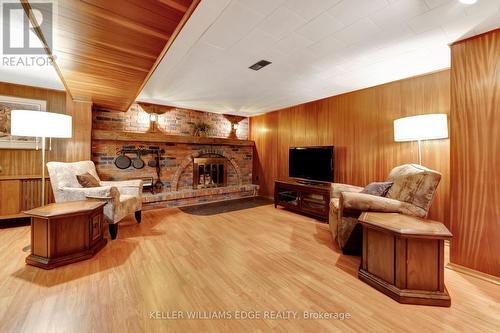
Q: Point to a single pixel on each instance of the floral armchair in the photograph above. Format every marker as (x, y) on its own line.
(122, 197)
(411, 193)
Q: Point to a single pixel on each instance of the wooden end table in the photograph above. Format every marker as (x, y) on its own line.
(403, 257)
(63, 233)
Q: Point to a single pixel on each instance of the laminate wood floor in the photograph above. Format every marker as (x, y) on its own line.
(259, 259)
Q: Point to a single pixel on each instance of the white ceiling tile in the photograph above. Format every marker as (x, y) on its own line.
(367, 42)
(438, 16)
(240, 20)
(281, 22)
(358, 32)
(264, 7)
(484, 7)
(292, 43)
(326, 46)
(320, 27)
(349, 11)
(491, 23)
(257, 42)
(437, 3)
(398, 13)
(310, 9)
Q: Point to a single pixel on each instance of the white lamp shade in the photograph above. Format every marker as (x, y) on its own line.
(40, 124)
(423, 127)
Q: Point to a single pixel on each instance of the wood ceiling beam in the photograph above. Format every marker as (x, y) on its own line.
(29, 13)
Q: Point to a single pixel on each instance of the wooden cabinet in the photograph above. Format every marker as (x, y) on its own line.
(20, 193)
(66, 232)
(10, 197)
(308, 199)
(403, 256)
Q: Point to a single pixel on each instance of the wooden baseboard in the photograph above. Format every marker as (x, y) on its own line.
(472, 272)
(406, 296)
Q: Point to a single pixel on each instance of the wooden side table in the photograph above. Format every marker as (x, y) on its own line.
(403, 257)
(63, 233)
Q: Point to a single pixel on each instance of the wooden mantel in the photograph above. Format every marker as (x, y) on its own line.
(160, 137)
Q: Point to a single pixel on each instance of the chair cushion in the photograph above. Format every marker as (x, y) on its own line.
(377, 188)
(87, 180)
(334, 205)
(414, 184)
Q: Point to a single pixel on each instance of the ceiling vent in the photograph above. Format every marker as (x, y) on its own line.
(259, 65)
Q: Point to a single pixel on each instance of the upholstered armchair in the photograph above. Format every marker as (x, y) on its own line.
(411, 193)
(122, 197)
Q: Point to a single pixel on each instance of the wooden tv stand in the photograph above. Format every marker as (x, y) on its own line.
(308, 199)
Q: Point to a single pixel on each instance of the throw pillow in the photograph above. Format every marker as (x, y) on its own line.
(87, 180)
(378, 188)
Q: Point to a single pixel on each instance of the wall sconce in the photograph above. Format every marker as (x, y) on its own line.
(153, 117)
(234, 121)
(234, 129)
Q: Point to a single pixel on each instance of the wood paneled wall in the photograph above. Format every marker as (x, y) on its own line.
(360, 126)
(16, 162)
(20, 170)
(475, 153)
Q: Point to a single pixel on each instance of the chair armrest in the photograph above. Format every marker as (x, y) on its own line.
(102, 193)
(129, 187)
(338, 188)
(368, 202)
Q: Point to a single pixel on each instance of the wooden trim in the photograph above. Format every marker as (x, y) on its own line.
(170, 41)
(13, 216)
(28, 11)
(160, 137)
(472, 272)
(22, 177)
(474, 37)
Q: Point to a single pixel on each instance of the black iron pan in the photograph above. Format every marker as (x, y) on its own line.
(138, 163)
(122, 161)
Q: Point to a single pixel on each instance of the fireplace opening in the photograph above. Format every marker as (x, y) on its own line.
(209, 172)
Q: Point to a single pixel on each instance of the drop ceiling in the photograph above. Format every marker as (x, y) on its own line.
(317, 48)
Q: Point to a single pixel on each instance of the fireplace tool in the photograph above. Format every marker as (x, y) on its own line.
(159, 183)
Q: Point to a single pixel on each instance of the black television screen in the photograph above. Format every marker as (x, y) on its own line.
(311, 163)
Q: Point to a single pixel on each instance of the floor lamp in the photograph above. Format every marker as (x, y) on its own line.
(42, 125)
(422, 127)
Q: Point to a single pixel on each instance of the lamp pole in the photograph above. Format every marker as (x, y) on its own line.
(419, 152)
(43, 172)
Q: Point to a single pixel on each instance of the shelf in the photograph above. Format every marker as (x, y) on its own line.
(163, 138)
(22, 177)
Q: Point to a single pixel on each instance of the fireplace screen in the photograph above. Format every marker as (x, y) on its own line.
(209, 172)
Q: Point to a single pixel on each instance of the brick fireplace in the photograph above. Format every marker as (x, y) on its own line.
(190, 172)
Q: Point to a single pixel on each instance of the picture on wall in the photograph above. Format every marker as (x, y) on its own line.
(7, 104)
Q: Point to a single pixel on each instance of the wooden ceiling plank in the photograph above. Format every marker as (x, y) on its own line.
(94, 11)
(106, 49)
(65, 37)
(140, 12)
(109, 60)
(186, 17)
(175, 5)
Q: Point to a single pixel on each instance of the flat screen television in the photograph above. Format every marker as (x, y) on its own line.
(313, 164)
